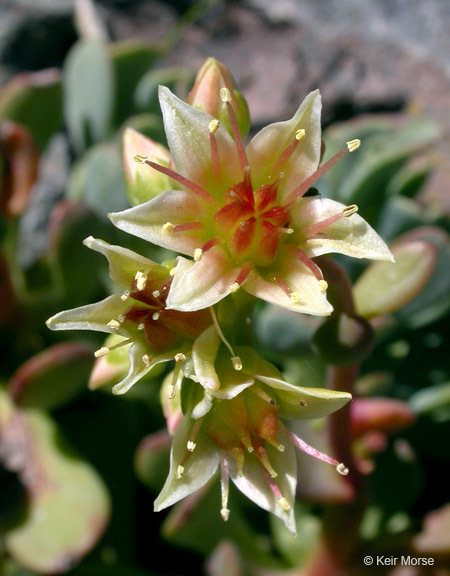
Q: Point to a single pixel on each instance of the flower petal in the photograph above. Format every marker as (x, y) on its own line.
(188, 135)
(201, 284)
(254, 484)
(301, 281)
(349, 235)
(91, 317)
(304, 402)
(123, 263)
(174, 206)
(204, 352)
(198, 468)
(139, 368)
(266, 147)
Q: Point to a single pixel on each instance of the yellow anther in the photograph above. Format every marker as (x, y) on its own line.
(234, 287)
(295, 297)
(155, 316)
(168, 227)
(141, 326)
(353, 145)
(113, 324)
(225, 513)
(300, 134)
(141, 283)
(125, 296)
(350, 210)
(323, 285)
(103, 351)
(213, 125)
(140, 159)
(156, 293)
(281, 447)
(121, 317)
(342, 469)
(191, 446)
(198, 254)
(172, 392)
(180, 471)
(146, 359)
(237, 363)
(172, 271)
(180, 357)
(284, 504)
(225, 95)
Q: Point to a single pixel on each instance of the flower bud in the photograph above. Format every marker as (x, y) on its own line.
(144, 183)
(205, 95)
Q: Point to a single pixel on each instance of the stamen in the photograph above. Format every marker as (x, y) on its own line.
(141, 326)
(103, 351)
(191, 445)
(180, 471)
(287, 152)
(156, 293)
(226, 98)
(257, 391)
(125, 296)
(353, 145)
(173, 271)
(141, 280)
(306, 260)
(210, 244)
(284, 504)
(113, 324)
(282, 284)
(282, 230)
(168, 227)
(140, 159)
(350, 210)
(121, 317)
(235, 360)
(261, 454)
(323, 285)
(276, 492)
(188, 226)
(295, 297)
(146, 359)
(215, 159)
(224, 488)
(182, 180)
(320, 226)
(155, 316)
(304, 447)
(342, 469)
(242, 276)
(234, 287)
(177, 377)
(306, 184)
(198, 254)
(180, 357)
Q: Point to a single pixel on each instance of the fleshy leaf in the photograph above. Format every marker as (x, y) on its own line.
(385, 287)
(265, 148)
(349, 235)
(61, 487)
(200, 466)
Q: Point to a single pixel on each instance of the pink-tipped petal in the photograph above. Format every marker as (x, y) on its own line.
(187, 131)
(148, 221)
(348, 235)
(202, 284)
(268, 145)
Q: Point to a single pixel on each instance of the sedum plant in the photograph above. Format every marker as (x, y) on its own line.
(233, 327)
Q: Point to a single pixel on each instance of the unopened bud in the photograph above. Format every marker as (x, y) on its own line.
(213, 83)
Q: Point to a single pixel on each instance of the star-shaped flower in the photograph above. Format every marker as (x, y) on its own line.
(233, 421)
(138, 314)
(242, 212)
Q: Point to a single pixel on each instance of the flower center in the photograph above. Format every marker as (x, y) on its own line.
(251, 223)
